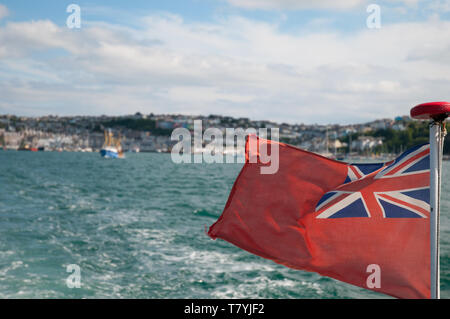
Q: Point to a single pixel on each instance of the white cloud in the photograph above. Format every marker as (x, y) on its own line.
(405, 2)
(296, 4)
(4, 12)
(235, 66)
(440, 6)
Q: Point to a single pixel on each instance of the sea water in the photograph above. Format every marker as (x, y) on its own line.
(136, 229)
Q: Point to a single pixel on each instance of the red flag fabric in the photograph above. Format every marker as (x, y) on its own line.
(344, 221)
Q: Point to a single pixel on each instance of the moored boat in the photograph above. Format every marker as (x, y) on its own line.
(112, 147)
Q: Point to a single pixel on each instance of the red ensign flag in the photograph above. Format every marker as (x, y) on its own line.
(364, 224)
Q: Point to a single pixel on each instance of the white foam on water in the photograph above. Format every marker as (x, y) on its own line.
(14, 265)
(261, 286)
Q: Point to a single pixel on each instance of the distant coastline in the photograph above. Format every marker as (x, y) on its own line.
(151, 133)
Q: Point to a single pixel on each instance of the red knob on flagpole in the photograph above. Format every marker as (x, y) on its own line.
(437, 111)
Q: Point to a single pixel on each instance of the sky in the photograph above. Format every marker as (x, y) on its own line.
(293, 61)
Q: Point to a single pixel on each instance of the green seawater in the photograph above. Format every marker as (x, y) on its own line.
(136, 229)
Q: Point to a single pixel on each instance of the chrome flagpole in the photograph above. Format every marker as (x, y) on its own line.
(435, 158)
(437, 112)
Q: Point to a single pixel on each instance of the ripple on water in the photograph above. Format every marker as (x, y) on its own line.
(136, 229)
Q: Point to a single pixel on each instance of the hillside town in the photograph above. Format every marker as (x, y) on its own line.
(152, 133)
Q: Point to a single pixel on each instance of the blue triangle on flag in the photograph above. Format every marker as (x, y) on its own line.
(394, 211)
(420, 194)
(421, 165)
(355, 209)
(368, 168)
(325, 197)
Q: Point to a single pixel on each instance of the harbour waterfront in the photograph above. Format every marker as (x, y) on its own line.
(136, 229)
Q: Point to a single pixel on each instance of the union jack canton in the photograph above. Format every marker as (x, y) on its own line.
(397, 189)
